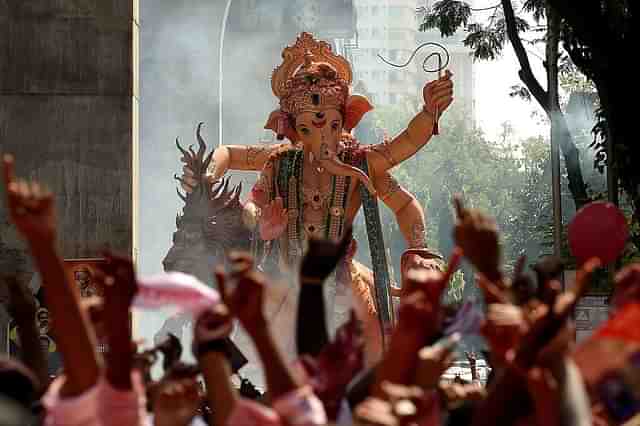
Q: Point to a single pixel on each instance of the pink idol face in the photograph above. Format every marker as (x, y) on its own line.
(312, 125)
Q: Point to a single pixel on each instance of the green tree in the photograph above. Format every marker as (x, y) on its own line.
(487, 41)
(507, 178)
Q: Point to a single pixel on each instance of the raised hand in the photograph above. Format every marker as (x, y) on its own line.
(273, 220)
(420, 318)
(431, 281)
(477, 235)
(553, 317)
(30, 206)
(214, 324)
(246, 301)
(117, 274)
(322, 258)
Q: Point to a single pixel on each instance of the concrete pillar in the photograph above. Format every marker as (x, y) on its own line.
(68, 112)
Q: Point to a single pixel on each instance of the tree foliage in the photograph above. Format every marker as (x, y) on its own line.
(447, 16)
(507, 178)
(487, 40)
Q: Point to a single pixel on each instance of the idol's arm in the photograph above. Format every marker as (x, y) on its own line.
(239, 157)
(408, 211)
(404, 146)
(409, 215)
(437, 95)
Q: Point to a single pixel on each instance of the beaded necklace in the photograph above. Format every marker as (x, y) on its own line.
(289, 185)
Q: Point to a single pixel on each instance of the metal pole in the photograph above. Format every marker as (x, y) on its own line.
(556, 193)
(223, 30)
(552, 80)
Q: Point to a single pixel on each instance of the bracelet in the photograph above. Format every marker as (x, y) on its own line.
(220, 346)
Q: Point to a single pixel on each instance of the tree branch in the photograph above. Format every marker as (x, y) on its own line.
(559, 128)
(525, 73)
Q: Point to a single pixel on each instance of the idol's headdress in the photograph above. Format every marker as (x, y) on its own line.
(312, 78)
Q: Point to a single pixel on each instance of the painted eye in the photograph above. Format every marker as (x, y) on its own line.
(335, 125)
(305, 131)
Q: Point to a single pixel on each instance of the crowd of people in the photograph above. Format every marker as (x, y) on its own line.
(527, 325)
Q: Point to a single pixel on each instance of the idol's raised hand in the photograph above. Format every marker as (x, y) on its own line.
(30, 205)
(273, 220)
(438, 94)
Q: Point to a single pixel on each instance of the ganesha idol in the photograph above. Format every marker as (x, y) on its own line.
(311, 186)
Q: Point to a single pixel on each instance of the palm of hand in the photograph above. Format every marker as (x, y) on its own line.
(273, 220)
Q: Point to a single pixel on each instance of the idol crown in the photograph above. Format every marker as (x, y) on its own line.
(311, 77)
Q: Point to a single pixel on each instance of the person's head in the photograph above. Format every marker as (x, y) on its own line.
(18, 383)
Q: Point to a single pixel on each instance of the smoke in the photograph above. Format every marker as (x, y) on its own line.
(179, 47)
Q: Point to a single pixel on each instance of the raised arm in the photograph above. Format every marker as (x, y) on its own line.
(119, 290)
(230, 157)
(246, 303)
(319, 262)
(32, 211)
(437, 95)
(239, 157)
(211, 350)
(410, 217)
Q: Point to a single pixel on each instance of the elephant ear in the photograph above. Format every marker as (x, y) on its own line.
(357, 106)
(278, 121)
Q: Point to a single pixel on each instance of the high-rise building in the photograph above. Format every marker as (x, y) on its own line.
(389, 28)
